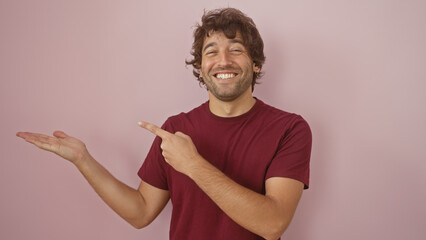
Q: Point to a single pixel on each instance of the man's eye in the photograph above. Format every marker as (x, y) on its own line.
(236, 50)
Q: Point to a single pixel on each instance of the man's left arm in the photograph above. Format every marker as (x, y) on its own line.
(265, 215)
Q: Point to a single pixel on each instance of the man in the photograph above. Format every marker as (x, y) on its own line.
(234, 167)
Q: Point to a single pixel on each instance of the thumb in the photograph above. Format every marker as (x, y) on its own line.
(60, 134)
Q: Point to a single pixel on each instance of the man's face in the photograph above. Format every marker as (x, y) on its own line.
(226, 67)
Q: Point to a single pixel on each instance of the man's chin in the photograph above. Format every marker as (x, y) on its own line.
(224, 97)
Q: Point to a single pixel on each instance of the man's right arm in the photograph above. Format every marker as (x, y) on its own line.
(139, 207)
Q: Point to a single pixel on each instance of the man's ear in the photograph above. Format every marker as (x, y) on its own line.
(256, 69)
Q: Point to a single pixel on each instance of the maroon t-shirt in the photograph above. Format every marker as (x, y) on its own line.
(262, 143)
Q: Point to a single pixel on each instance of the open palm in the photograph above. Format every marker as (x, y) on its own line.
(65, 146)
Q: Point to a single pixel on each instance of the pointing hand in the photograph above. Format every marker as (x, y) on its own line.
(178, 149)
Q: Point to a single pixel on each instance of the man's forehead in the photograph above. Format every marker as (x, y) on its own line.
(213, 36)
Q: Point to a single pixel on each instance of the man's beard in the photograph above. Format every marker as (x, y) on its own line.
(228, 93)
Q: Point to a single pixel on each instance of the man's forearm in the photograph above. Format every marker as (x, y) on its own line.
(255, 212)
(124, 200)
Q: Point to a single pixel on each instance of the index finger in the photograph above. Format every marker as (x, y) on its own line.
(154, 129)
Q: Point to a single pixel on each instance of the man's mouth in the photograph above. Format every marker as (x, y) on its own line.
(225, 75)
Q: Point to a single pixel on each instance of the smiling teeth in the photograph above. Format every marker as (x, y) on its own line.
(225, 75)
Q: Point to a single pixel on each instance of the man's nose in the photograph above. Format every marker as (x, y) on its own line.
(225, 59)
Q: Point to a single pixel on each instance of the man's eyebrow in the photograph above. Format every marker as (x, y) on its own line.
(209, 45)
(235, 40)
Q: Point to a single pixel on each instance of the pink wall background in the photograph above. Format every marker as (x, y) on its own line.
(354, 69)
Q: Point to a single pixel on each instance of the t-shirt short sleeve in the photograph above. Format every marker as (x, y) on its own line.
(293, 155)
(152, 170)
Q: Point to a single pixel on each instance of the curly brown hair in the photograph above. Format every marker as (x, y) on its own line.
(230, 21)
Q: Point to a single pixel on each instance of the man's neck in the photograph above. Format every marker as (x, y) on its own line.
(233, 108)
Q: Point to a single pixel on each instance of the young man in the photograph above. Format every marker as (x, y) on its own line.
(234, 167)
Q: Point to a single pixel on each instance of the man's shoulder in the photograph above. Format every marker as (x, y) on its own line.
(270, 110)
(188, 114)
(279, 117)
(195, 114)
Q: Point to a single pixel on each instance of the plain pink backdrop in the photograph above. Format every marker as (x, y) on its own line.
(354, 69)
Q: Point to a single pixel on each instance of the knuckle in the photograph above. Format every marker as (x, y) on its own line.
(166, 138)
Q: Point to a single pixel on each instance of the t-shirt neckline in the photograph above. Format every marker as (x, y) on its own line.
(252, 110)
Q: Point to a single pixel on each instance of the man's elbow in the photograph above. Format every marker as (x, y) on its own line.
(274, 232)
(138, 226)
(273, 235)
(138, 223)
